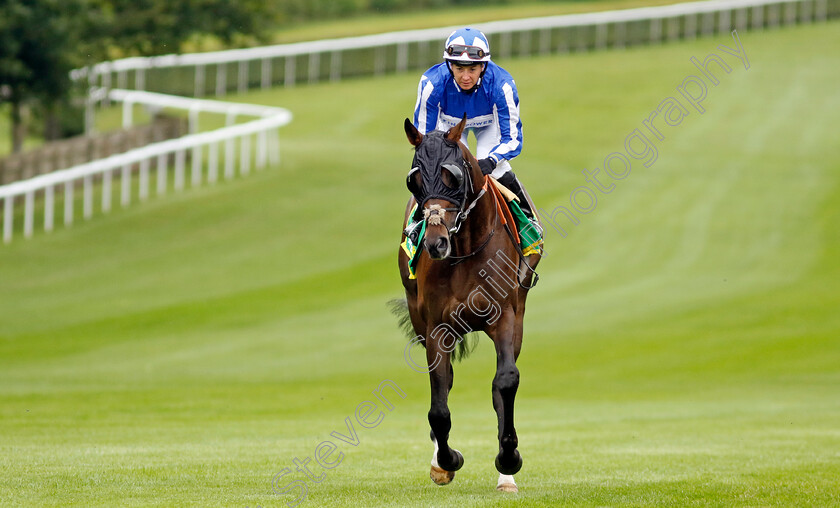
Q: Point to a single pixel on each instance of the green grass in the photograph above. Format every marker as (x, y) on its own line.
(681, 348)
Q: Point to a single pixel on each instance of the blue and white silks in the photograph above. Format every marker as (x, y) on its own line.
(492, 112)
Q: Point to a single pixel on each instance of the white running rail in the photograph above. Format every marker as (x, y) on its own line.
(225, 140)
(221, 71)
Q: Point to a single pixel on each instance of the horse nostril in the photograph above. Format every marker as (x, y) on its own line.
(438, 247)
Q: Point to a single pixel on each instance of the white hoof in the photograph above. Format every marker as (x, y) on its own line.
(506, 483)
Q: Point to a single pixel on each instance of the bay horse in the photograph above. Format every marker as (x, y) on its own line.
(470, 276)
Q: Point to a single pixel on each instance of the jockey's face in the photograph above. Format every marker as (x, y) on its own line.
(466, 75)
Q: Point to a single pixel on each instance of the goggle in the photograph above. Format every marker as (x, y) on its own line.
(473, 52)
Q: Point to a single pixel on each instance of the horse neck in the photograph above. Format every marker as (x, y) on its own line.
(481, 219)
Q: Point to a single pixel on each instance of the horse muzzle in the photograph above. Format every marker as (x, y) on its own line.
(438, 246)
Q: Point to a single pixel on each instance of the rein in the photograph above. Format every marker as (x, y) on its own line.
(464, 212)
(463, 216)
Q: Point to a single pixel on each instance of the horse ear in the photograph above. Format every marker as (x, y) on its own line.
(454, 134)
(414, 136)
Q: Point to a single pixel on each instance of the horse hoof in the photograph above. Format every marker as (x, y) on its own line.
(507, 487)
(506, 483)
(509, 468)
(441, 476)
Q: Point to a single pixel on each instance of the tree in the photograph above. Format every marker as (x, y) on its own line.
(156, 27)
(36, 55)
(41, 41)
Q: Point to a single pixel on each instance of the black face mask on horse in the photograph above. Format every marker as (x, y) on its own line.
(438, 171)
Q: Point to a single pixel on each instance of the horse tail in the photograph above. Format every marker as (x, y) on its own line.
(399, 308)
(466, 345)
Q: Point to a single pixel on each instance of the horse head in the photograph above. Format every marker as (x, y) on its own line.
(444, 177)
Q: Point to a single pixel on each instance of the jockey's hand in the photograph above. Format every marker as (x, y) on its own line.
(487, 165)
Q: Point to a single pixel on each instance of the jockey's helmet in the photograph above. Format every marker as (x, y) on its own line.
(467, 46)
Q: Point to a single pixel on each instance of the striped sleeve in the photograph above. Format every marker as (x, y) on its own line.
(510, 125)
(426, 109)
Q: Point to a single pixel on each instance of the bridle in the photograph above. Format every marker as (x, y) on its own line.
(463, 212)
(463, 216)
(435, 214)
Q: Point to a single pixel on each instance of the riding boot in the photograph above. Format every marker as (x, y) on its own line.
(510, 181)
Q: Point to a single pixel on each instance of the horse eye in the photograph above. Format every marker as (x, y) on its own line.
(453, 176)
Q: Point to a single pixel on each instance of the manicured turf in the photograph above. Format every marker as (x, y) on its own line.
(681, 348)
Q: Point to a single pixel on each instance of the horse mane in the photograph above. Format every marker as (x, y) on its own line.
(477, 177)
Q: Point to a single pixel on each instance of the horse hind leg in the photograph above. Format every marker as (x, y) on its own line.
(508, 461)
(505, 385)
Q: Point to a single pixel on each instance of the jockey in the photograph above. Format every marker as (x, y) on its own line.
(468, 82)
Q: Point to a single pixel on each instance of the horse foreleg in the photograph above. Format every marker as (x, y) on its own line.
(505, 385)
(445, 460)
(506, 483)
